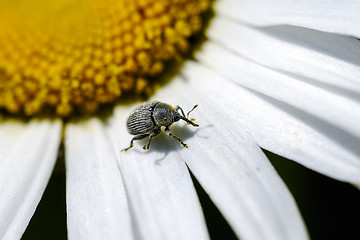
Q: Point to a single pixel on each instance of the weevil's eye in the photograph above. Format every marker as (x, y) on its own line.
(176, 117)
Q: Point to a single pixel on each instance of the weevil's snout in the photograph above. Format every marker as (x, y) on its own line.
(194, 124)
(188, 121)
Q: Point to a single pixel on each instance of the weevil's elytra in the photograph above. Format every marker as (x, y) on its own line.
(149, 117)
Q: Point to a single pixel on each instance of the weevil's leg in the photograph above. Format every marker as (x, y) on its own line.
(139, 137)
(153, 134)
(182, 111)
(168, 132)
(187, 115)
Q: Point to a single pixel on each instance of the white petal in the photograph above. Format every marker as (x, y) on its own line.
(320, 57)
(161, 195)
(27, 156)
(96, 201)
(281, 128)
(232, 168)
(334, 16)
(337, 109)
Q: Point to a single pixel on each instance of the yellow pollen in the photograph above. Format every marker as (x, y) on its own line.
(73, 55)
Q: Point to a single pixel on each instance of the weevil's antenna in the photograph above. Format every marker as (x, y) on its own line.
(182, 111)
(187, 115)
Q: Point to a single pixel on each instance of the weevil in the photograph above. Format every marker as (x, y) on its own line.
(148, 118)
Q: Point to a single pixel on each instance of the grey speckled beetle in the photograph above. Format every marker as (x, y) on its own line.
(149, 117)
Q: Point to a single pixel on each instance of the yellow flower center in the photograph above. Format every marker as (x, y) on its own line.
(72, 55)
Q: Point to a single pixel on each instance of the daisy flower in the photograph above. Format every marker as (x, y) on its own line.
(279, 75)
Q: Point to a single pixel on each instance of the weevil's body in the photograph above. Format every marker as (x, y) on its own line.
(149, 117)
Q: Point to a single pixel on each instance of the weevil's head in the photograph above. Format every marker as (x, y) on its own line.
(177, 116)
(163, 115)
